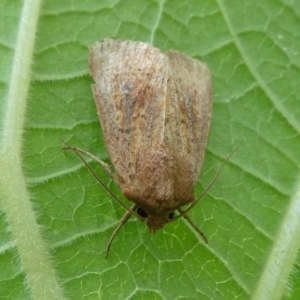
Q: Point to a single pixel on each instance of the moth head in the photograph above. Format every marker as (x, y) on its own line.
(155, 221)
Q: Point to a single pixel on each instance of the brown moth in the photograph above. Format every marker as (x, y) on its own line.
(155, 111)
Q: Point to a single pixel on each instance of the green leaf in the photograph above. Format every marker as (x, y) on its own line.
(56, 220)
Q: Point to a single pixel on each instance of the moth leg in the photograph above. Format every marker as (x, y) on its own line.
(192, 224)
(105, 166)
(123, 220)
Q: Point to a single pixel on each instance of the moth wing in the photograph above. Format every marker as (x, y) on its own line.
(189, 108)
(129, 91)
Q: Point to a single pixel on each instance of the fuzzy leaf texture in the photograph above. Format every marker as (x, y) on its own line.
(56, 220)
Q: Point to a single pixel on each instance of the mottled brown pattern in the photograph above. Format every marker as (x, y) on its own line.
(155, 112)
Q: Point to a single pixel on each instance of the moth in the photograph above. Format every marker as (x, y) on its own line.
(155, 111)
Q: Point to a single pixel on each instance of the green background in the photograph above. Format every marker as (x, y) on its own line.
(253, 50)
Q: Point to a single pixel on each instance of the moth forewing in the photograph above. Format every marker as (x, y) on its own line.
(128, 90)
(192, 111)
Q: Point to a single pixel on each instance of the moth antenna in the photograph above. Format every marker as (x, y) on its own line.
(101, 182)
(105, 166)
(184, 212)
(122, 222)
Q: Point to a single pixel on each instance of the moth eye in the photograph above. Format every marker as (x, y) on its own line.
(171, 215)
(141, 212)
